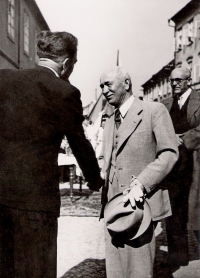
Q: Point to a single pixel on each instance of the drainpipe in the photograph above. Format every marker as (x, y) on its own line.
(19, 33)
(172, 24)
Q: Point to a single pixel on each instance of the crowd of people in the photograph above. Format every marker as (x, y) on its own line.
(145, 154)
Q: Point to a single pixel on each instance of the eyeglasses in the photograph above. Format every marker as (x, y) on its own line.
(177, 80)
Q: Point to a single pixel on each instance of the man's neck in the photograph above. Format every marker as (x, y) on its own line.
(50, 64)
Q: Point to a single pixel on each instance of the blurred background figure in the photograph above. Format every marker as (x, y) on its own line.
(183, 181)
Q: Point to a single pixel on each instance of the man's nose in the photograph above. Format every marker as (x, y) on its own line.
(174, 83)
(105, 90)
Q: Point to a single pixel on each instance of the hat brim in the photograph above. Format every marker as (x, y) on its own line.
(124, 220)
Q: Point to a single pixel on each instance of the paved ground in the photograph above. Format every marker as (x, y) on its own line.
(81, 250)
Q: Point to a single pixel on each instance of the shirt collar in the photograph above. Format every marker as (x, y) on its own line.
(126, 105)
(185, 96)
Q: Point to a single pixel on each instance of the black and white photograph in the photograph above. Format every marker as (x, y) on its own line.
(99, 138)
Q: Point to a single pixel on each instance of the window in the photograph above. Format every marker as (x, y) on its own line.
(197, 70)
(188, 33)
(178, 65)
(197, 73)
(189, 62)
(197, 29)
(11, 19)
(26, 33)
(178, 40)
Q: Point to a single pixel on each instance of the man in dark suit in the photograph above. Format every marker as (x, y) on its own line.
(183, 180)
(37, 108)
(139, 141)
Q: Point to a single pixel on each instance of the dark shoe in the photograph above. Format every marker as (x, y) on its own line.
(169, 267)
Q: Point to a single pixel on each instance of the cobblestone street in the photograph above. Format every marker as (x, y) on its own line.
(81, 250)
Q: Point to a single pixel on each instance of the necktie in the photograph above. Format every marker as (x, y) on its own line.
(117, 118)
(176, 103)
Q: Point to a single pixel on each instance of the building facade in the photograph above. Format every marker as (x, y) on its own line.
(158, 87)
(186, 25)
(20, 20)
(187, 40)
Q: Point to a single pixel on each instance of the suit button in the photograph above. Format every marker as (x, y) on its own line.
(116, 136)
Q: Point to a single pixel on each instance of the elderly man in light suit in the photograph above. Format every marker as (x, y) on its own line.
(140, 143)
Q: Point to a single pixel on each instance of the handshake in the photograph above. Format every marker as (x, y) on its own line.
(96, 185)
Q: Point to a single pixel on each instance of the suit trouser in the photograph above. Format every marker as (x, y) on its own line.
(28, 244)
(176, 229)
(176, 224)
(130, 259)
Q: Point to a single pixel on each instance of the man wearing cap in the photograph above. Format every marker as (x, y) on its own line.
(37, 108)
(183, 181)
(139, 150)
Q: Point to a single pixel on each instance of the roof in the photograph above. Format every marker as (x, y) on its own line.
(189, 8)
(38, 14)
(165, 71)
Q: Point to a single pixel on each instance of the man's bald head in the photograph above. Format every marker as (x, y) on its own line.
(118, 72)
(184, 72)
(180, 79)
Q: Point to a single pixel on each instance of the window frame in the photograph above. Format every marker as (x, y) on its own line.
(26, 33)
(11, 20)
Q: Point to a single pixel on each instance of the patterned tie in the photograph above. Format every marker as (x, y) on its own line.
(117, 118)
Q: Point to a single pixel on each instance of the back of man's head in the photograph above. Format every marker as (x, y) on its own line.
(54, 45)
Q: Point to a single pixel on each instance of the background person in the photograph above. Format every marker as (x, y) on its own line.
(184, 109)
(37, 108)
(140, 142)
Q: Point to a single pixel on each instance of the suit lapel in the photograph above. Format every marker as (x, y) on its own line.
(130, 122)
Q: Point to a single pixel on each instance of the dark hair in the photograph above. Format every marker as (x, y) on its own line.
(53, 45)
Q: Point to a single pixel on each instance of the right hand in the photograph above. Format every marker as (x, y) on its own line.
(96, 185)
(179, 139)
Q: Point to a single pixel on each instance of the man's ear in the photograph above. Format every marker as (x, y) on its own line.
(65, 64)
(127, 84)
(189, 81)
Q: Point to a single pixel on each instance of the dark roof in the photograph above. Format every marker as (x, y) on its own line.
(191, 7)
(38, 15)
(165, 71)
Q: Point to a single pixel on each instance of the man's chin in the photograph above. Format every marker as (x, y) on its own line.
(176, 92)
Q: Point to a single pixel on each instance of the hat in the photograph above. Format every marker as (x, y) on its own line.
(124, 220)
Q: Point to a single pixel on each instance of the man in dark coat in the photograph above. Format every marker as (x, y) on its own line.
(37, 108)
(183, 180)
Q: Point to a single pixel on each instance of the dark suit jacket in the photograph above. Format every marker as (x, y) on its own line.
(36, 110)
(147, 149)
(191, 140)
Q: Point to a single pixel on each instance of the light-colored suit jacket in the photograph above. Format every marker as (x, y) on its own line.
(147, 148)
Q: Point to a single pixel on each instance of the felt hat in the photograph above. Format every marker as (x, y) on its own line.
(125, 221)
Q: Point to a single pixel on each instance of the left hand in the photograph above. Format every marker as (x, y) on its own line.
(135, 193)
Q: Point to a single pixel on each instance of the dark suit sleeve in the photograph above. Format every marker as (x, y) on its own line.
(191, 138)
(72, 119)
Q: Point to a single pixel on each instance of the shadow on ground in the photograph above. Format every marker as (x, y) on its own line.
(161, 254)
(94, 268)
(85, 203)
(90, 268)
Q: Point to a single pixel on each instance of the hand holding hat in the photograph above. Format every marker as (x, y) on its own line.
(135, 193)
